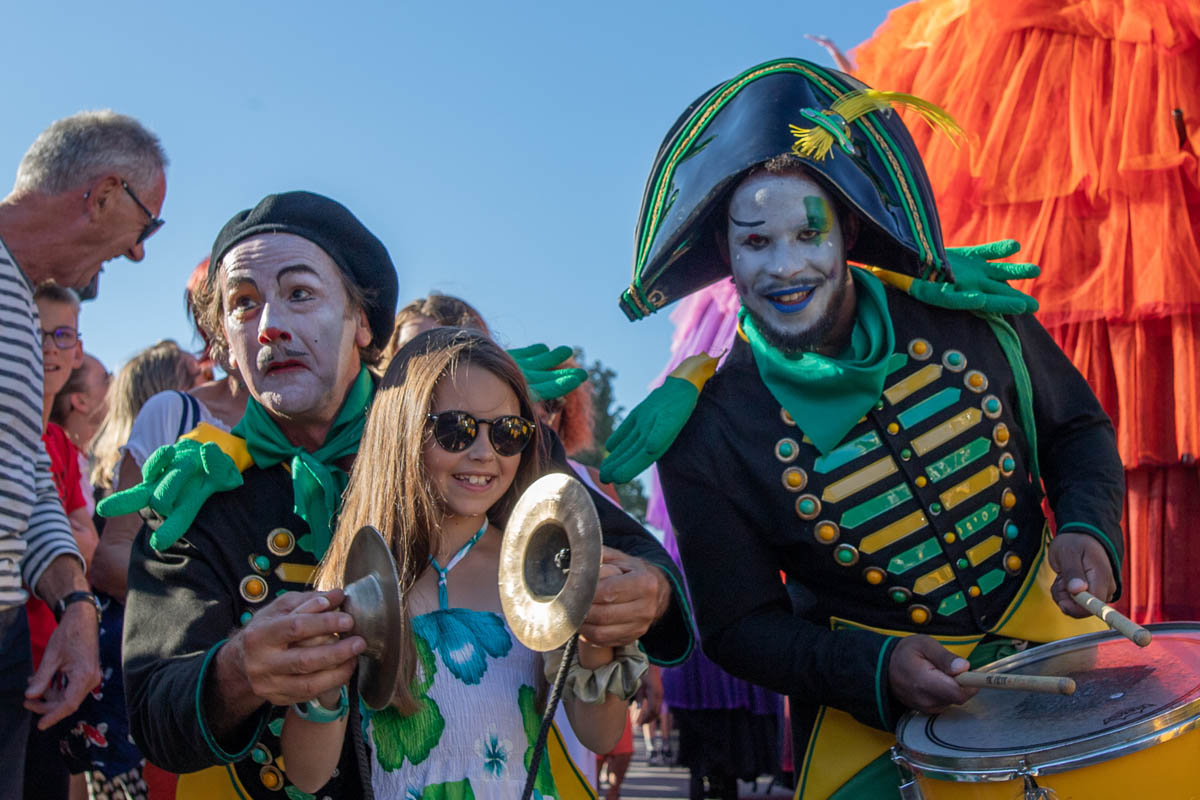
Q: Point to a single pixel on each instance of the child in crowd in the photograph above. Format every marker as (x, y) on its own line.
(449, 445)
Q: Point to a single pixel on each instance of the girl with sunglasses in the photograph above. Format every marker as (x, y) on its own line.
(449, 445)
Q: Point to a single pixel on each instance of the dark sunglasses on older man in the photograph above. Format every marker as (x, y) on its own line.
(454, 431)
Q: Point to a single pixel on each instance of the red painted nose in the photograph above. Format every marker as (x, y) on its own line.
(269, 335)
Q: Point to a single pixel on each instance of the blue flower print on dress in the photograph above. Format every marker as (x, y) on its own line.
(494, 752)
(464, 639)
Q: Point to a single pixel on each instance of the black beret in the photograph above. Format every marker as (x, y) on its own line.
(329, 225)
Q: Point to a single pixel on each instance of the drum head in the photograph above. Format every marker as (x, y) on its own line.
(1126, 698)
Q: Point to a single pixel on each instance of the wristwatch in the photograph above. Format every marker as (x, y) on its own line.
(75, 597)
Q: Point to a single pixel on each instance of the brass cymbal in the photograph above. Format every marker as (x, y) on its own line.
(372, 589)
(550, 561)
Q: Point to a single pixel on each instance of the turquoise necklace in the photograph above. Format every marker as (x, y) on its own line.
(443, 593)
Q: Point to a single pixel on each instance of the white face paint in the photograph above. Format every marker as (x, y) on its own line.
(287, 321)
(788, 258)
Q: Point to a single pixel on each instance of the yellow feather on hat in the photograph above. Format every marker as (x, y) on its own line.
(833, 125)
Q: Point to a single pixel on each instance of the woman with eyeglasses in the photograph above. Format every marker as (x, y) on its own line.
(449, 445)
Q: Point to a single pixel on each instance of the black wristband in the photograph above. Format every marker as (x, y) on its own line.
(75, 597)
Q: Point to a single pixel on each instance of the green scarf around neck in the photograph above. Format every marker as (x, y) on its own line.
(317, 483)
(828, 396)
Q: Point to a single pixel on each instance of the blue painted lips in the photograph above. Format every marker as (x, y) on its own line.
(790, 307)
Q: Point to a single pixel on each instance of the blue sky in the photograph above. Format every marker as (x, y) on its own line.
(498, 150)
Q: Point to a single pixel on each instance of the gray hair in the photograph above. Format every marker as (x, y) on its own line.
(80, 148)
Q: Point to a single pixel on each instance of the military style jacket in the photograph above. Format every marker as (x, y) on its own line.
(924, 519)
(244, 549)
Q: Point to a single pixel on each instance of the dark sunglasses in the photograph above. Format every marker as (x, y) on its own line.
(64, 337)
(454, 431)
(155, 222)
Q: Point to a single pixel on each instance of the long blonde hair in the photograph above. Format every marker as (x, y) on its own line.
(389, 487)
(158, 368)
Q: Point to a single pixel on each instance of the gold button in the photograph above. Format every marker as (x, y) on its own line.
(973, 591)
(922, 481)
(270, 777)
(827, 532)
(1008, 499)
(794, 479)
(975, 379)
(1013, 563)
(949, 538)
(893, 428)
(874, 575)
(919, 614)
(1000, 434)
(920, 347)
(253, 588)
(281, 541)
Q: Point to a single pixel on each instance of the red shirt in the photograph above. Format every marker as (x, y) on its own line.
(64, 469)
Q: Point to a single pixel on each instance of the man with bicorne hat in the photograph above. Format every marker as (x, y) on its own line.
(881, 435)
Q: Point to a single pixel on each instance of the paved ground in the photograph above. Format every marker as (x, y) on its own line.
(645, 782)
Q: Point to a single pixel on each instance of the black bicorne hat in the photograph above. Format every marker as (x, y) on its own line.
(867, 160)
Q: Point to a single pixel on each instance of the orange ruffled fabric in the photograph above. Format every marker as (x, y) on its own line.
(1074, 151)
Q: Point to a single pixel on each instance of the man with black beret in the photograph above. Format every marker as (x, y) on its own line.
(300, 297)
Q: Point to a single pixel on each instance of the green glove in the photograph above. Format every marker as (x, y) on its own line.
(648, 431)
(979, 284)
(538, 363)
(177, 480)
(651, 427)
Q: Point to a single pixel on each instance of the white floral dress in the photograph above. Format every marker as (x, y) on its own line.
(478, 717)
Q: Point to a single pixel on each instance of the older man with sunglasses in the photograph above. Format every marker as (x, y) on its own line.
(301, 297)
(73, 207)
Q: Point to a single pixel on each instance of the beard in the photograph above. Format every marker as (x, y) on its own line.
(814, 337)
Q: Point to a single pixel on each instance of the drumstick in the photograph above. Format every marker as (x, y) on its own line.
(1113, 618)
(1046, 684)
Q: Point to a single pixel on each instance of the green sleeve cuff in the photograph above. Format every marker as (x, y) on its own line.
(883, 702)
(1093, 531)
(678, 605)
(214, 747)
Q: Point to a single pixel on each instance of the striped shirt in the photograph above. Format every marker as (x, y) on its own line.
(33, 528)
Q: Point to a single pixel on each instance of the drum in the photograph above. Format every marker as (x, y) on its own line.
(1130, 730)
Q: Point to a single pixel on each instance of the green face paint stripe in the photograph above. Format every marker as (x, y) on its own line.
(952, 604)
(977, 521)
(896, 361)
(820, 215)
(696, 125)
(914, 556)
(877, 505)
(988, 581)
(959, 459)
(845, 453)
(928, 407)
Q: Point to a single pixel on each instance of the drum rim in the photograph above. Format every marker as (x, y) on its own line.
(1118, 742)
